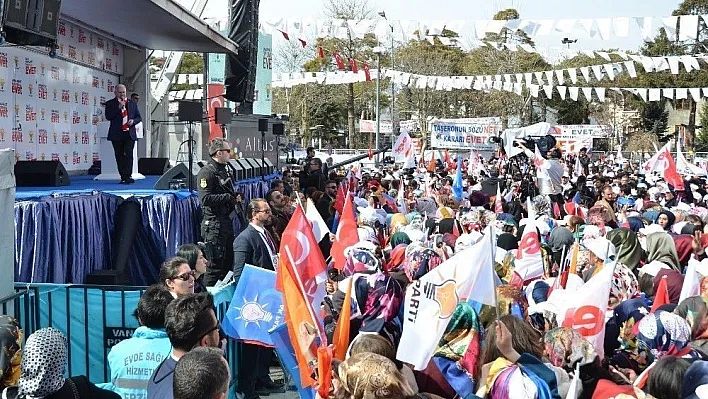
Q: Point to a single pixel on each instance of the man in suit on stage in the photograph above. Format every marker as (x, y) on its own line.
(123, 115)
(255, 246)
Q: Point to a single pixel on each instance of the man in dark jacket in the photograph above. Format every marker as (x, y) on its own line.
(255, 246)
(123, 115)
(216, 193)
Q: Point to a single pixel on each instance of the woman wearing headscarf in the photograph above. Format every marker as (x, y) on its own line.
(567, 348)
(43, 366)
(369, 375)
(661, 248)
(666, 220)
(635, 223)
(621, 344)
(684, 248)
(696, 377)
(695, 311)
(624, 285)
(11, 337)
(452, 369)
(399, 238)
(394, 267)
(420, 260)
(674, 284)
(665, 334)
(627, 243)
(378, 296)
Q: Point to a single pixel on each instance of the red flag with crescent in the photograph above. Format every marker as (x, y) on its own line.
(347, 234)
(299, 244)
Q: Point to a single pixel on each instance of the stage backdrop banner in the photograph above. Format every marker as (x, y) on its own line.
(465, 133)
(50, 108)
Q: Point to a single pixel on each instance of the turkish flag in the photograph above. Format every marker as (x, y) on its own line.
(338, 60)
(367, 74)
(320, 52)
(671, 175)
(285, 35)
(346, 236)
(299, 248)
(353, 66)
(661, 296)
(339, 201)
(304, 43)
(371, 153)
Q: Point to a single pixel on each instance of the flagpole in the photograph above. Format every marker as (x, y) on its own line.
(493, 248)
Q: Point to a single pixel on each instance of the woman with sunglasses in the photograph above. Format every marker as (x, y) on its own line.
(177, 276)
(194, 254)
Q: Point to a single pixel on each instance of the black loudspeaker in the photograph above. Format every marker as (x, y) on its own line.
(238, 170)
(177, 177)
(153, 166)
(190, 111)
(263, 125)
(278, 129)
(241, 67)
(31, 22)
(40, 173)
(222, 116)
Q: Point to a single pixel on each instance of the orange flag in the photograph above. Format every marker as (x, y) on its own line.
(431, 164)
(346, 236)
(574, 259)
(661, 296)
(324, 370)
(340, 338)
(300, 319)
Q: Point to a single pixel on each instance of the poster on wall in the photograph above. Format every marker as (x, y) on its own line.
(465, 133)
(49, 108)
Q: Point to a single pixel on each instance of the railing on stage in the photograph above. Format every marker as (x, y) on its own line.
(88, 316)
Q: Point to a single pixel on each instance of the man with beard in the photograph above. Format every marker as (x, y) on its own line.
(255, 246)
(278, 220)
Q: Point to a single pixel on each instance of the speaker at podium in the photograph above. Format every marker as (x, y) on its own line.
(109, 168)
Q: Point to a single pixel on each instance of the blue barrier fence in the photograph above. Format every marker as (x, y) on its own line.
(93, 318)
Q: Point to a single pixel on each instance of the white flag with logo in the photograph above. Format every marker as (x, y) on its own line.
(583, 309)
(402, 146)
(528, 264)
(431, 301)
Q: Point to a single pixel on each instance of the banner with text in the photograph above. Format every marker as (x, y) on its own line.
(50, 108)
(465, 133)
(595, 131)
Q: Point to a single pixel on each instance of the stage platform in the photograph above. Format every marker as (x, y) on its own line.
(64, 233)
(84, 184)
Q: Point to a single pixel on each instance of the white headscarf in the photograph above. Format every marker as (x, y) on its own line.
(43, 364)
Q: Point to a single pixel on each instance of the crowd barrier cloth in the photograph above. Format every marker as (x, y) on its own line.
(94, 318)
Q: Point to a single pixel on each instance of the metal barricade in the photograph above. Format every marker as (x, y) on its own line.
(88, 316)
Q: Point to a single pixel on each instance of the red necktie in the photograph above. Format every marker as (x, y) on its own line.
(270, 242)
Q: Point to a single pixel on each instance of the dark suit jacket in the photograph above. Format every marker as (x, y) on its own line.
(115, 131)
(249, 248)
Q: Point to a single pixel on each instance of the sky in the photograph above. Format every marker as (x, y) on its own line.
(481, 10)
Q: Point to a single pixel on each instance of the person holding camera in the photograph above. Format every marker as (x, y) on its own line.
(218, 199)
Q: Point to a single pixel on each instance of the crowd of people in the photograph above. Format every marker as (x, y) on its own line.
(590, 213)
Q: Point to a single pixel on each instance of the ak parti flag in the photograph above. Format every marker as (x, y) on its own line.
(340, 339)
(661, 297)
(346, 236)
(339, 201)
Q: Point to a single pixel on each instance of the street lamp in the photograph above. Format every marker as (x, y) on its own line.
(378, 50)
(382, 14)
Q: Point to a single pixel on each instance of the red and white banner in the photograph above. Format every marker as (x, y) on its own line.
(402, 146)
(50, 108)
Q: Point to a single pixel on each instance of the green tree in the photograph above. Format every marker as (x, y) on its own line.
(192, 63)
(655, 119)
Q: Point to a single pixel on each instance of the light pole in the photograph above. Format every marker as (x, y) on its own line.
(377, 51)
(393, 92)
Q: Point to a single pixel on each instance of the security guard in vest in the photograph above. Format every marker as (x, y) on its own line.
(218, 199)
